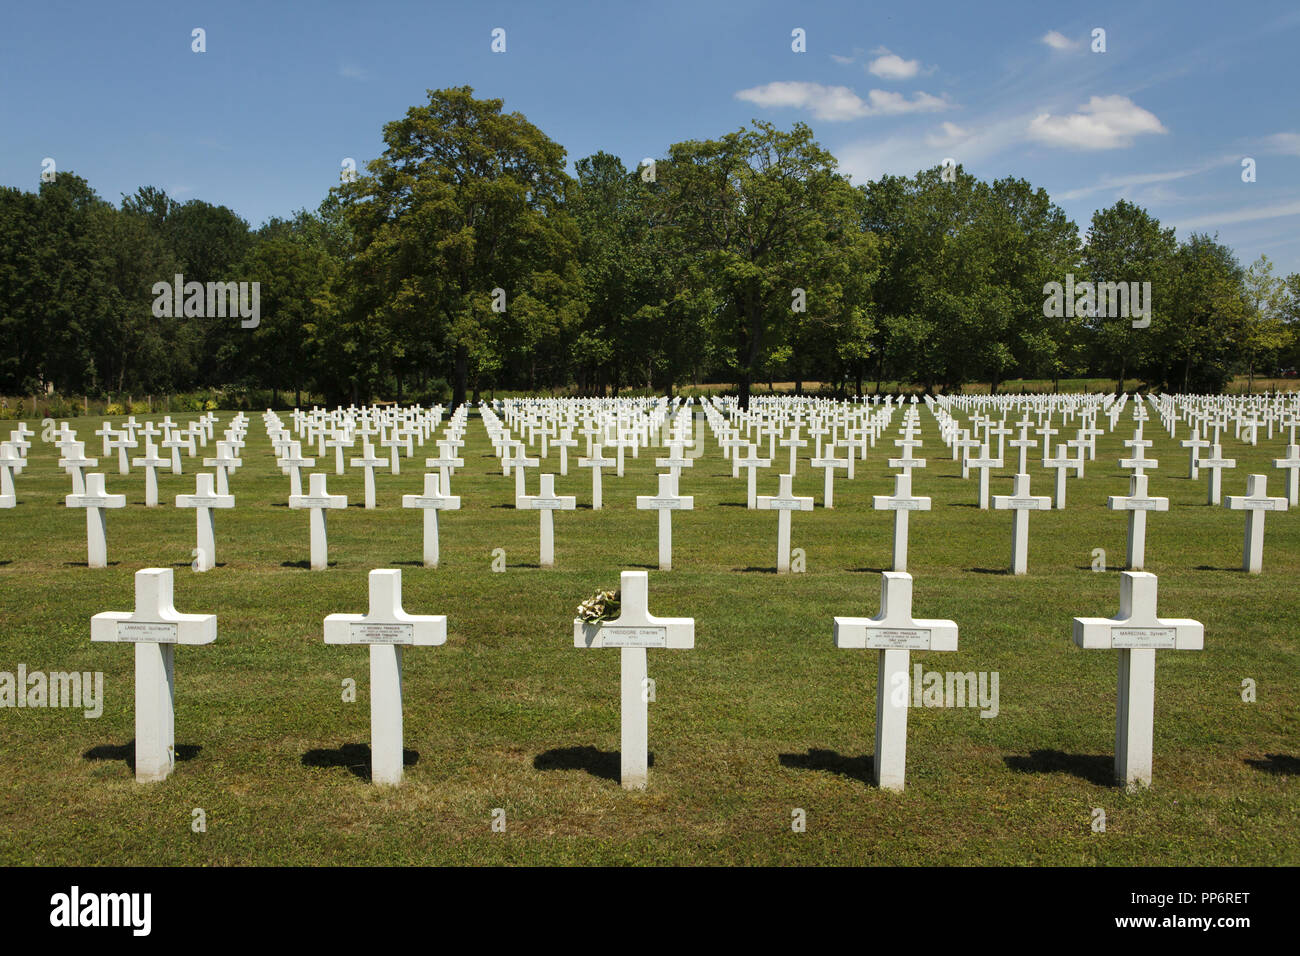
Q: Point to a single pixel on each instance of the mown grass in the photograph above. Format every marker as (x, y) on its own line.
(764, 716)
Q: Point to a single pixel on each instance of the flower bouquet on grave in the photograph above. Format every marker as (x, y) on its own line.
(604, 606)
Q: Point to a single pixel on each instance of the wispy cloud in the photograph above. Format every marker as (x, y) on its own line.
(1104, 122)
(350, 71)
(1241, 215)
(839, 103)
(1288, 143)
(1119, 184)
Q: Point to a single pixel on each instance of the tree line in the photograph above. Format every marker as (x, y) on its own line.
(466, 257)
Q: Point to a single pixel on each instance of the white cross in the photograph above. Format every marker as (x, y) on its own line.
(155, 627)
(596, 462)
(151, 462)
(750, 462)
(1137, 504)
(1022, 445)
(982, 464)
(1061, 466)
(319, 501)
(121, 441)
(369, 461)
(431, 502)
(1215, 465)
(902, 504)
(387, 629)
(1195, 443)
(676, 460)
(95, 499)
(1291, 465)
(203, 501)
(634, 630)
(74, 462)
(1021, 502)
(546, 501)
(784, 501)
(341, 440)
(666, 502)
(564, 443)
(1255, 503)
(225, 462)
(1136, 633)
(830, 463)
(174, 442)
(518, 460)
(794, 443)
(895, 634)
(1139, 462)
(293, 462)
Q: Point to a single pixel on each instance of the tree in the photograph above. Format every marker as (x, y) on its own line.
(1127, 244)
(1264, 332)
(465, 200)
(741, 209)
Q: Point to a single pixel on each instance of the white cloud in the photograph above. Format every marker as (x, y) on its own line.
(1288, 143)
(1104, 122)
(949, 134)
(869, 159)
(842, 60)
(891, 66)
(839, 103)
(350, 71)
(1058, 41)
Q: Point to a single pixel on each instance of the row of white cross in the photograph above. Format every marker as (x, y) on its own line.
(155, 627)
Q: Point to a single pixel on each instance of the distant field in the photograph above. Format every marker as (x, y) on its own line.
(764, 716)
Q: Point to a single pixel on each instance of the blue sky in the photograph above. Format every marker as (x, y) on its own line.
(261, 121)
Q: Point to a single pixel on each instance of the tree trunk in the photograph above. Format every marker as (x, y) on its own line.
(461, 376)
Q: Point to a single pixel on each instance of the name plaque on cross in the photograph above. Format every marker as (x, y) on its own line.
(673, 503)
(913, 639)
(1161, 638)
(616, 636)
(383, 633)
(135, 631)
(780, 505)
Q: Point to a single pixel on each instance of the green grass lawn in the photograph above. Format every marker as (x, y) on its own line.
(764, 716)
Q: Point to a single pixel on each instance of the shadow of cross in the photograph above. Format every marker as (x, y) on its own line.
(155, 627)
(895, 633)
(634, 630)
(386, 628)
(1137, 634)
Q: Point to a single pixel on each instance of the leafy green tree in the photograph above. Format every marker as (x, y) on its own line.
(1264, 332)
(466, 199)
(742, 208)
